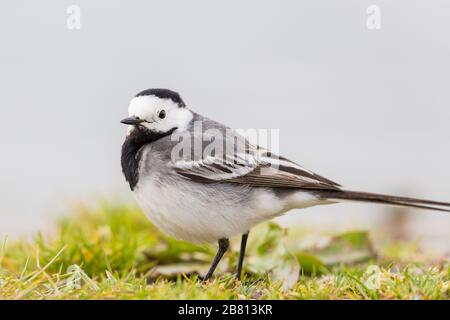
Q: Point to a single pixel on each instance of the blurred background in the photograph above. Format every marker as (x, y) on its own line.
(368, 108)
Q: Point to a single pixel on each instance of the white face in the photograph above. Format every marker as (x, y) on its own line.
(159, 115)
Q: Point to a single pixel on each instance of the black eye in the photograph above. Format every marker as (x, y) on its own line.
(162, 114)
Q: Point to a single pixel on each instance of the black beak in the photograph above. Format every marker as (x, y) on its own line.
(132, 120)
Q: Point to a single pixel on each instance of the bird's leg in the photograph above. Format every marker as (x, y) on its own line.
(224, 244)
(241, 255)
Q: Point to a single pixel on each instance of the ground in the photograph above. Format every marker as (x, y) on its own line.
(113, 252)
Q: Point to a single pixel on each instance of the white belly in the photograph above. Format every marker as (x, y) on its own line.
(205, 213)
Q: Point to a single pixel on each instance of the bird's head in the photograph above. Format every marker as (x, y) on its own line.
(158, 111)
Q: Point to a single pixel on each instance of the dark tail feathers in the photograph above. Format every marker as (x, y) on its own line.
(383, 199)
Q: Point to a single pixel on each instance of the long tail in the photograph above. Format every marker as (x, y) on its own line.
(383, 199)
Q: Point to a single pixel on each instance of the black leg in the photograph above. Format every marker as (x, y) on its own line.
(241, 255)
(223, 247)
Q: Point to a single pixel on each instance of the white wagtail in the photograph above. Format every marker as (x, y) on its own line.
(212, 196)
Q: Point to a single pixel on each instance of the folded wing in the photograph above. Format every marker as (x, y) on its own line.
(258, 168)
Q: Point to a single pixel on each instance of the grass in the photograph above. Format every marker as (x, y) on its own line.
(113, 252)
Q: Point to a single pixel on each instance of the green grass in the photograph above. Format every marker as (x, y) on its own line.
(113, 252)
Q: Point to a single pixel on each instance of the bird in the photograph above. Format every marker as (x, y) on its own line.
(200, 181)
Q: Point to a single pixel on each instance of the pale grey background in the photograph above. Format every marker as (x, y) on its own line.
(369, 109)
